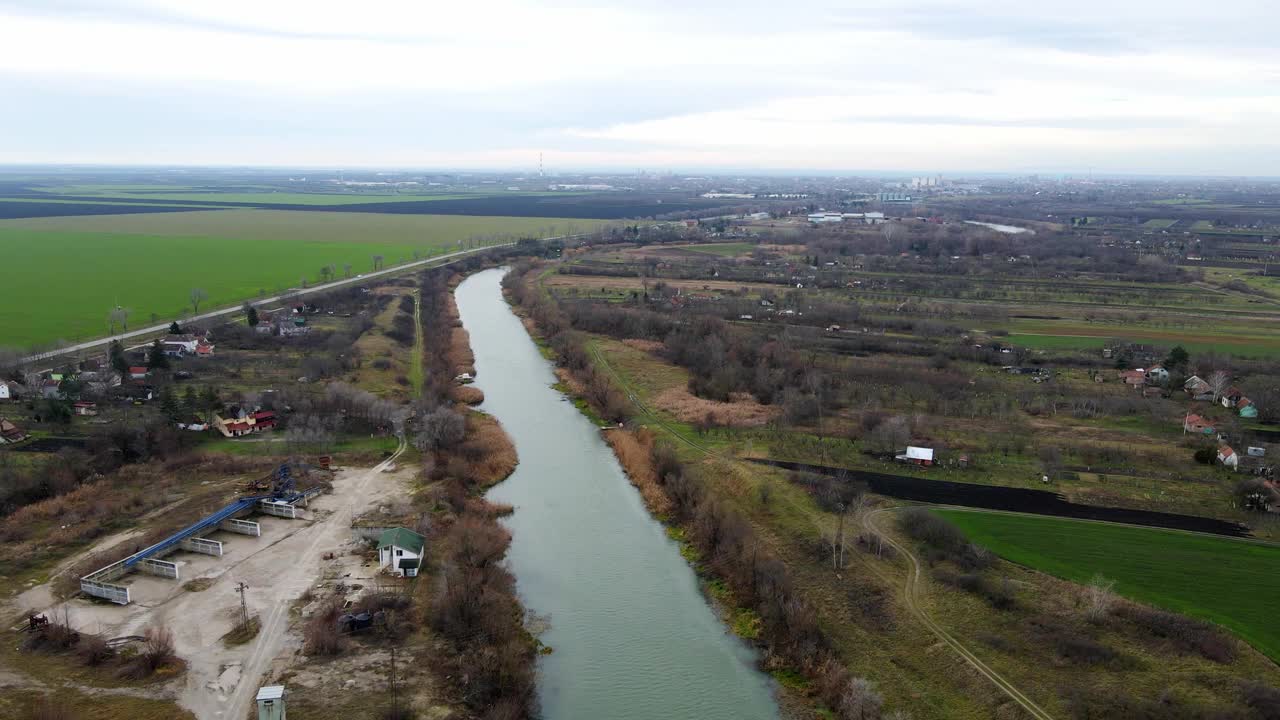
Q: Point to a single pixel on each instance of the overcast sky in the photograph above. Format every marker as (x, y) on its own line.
(1143, 86)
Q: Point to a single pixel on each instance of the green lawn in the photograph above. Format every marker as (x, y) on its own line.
(73, 270)
(1235, 584)
(721, 249)
(1159, 223)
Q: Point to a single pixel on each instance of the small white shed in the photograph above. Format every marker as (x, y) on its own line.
(271, 700)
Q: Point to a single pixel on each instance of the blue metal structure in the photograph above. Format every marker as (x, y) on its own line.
(282, 490)
(211, 521)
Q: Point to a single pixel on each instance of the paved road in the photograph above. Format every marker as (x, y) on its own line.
(154, 329)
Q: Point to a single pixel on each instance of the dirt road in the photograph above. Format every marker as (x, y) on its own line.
(911, 595)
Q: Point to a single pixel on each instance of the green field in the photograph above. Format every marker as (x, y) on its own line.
(1235, 584)
(1159, 223)
(75, 269)
(269, 196)
(720, 249)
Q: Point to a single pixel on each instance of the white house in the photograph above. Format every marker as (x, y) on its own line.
(6, 393)
(400, 551)
(916, 456)
(1228, 457)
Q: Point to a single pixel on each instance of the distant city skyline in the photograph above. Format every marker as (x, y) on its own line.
(939, 86)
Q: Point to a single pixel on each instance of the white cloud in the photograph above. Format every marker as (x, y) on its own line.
(987, 84)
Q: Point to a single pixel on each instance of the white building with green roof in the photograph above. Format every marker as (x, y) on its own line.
(400, 551)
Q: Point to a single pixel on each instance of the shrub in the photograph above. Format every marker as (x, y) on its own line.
(1186, 634)
(52, 709)
(93, 650)
(321, 635)
(1264, 700)
(157, 648)
(1084, 651)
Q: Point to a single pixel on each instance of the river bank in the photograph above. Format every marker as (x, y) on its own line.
(631, 633)
(749, 588)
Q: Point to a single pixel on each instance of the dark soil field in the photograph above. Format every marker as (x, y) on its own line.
(12, 210)
(992, 497)
(599, 206)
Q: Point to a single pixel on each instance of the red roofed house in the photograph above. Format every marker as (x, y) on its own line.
(1195, 424)
(1228, 457)
(138, 373)
(204, 349)
(1134, 378)
(85, 408)
(247, 425)
(1231, 397)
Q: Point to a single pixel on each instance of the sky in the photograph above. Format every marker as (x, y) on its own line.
(1128, 86)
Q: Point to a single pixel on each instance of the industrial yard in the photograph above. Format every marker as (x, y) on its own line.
(292, 557)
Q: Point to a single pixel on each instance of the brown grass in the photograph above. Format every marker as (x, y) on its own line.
(744, 411)
(467, 394)
(571, 383)
(461, 359)
(488, 450)
(649, 346)
(635, 453)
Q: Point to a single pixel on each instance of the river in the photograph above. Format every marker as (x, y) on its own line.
(1006, 229)
(633, 637)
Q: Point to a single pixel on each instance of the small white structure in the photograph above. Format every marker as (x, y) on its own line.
(400, 551)
(271, 701)
(5, 392)
(916, 456)
(1228, 457)
(1256, 452)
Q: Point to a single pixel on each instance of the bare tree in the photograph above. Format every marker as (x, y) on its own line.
(1099, 598)
(377, 262)
(844, 535)
(1219, 381)
(860, 701)
(442, 428)
(198, 295)
(118, 316)
(346, 269)
(892, 232)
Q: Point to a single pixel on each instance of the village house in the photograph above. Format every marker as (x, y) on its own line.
(1197, 388)
(193, 423)
(245, 423)
(138, 372)
(85, 408)
(49, 389)
(1157, 374)
(1246, 408)
(1231, 397)
(1134, 378)
(916, 456)
(10, 433)
(400, 551)
(180, 345)
(1193, 423)
(1228, 457)
(8, 390)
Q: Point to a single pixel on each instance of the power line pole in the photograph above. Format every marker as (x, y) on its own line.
(244, 607)
(395, 695)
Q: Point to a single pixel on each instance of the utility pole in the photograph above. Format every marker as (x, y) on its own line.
(395, 694)
(244, 607)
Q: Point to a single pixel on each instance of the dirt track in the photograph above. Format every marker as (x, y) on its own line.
(278, 567)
